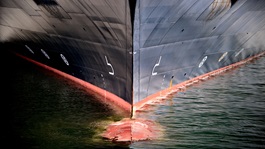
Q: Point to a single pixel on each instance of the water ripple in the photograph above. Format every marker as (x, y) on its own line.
(224, 112)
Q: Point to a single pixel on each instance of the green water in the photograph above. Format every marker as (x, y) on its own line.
(226, 112)
(40, 110)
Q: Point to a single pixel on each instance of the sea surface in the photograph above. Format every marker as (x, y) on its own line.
(41, 110)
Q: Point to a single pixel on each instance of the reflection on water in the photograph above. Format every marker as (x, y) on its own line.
(42, 110)
(224, 112)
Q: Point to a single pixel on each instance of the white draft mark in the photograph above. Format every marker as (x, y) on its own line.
(45, 54)
(222, 57)
(109, 64)
(157, 64)
(203, 61)
(64, 59)
(239, 52)
(29, 49)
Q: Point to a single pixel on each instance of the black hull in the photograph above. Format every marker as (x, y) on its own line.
(96, 47)
(134, 49)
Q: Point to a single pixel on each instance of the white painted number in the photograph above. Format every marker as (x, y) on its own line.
(109, 64)
(157, 64)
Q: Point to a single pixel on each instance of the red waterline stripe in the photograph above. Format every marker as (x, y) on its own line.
(178, 87)
(105, 95)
